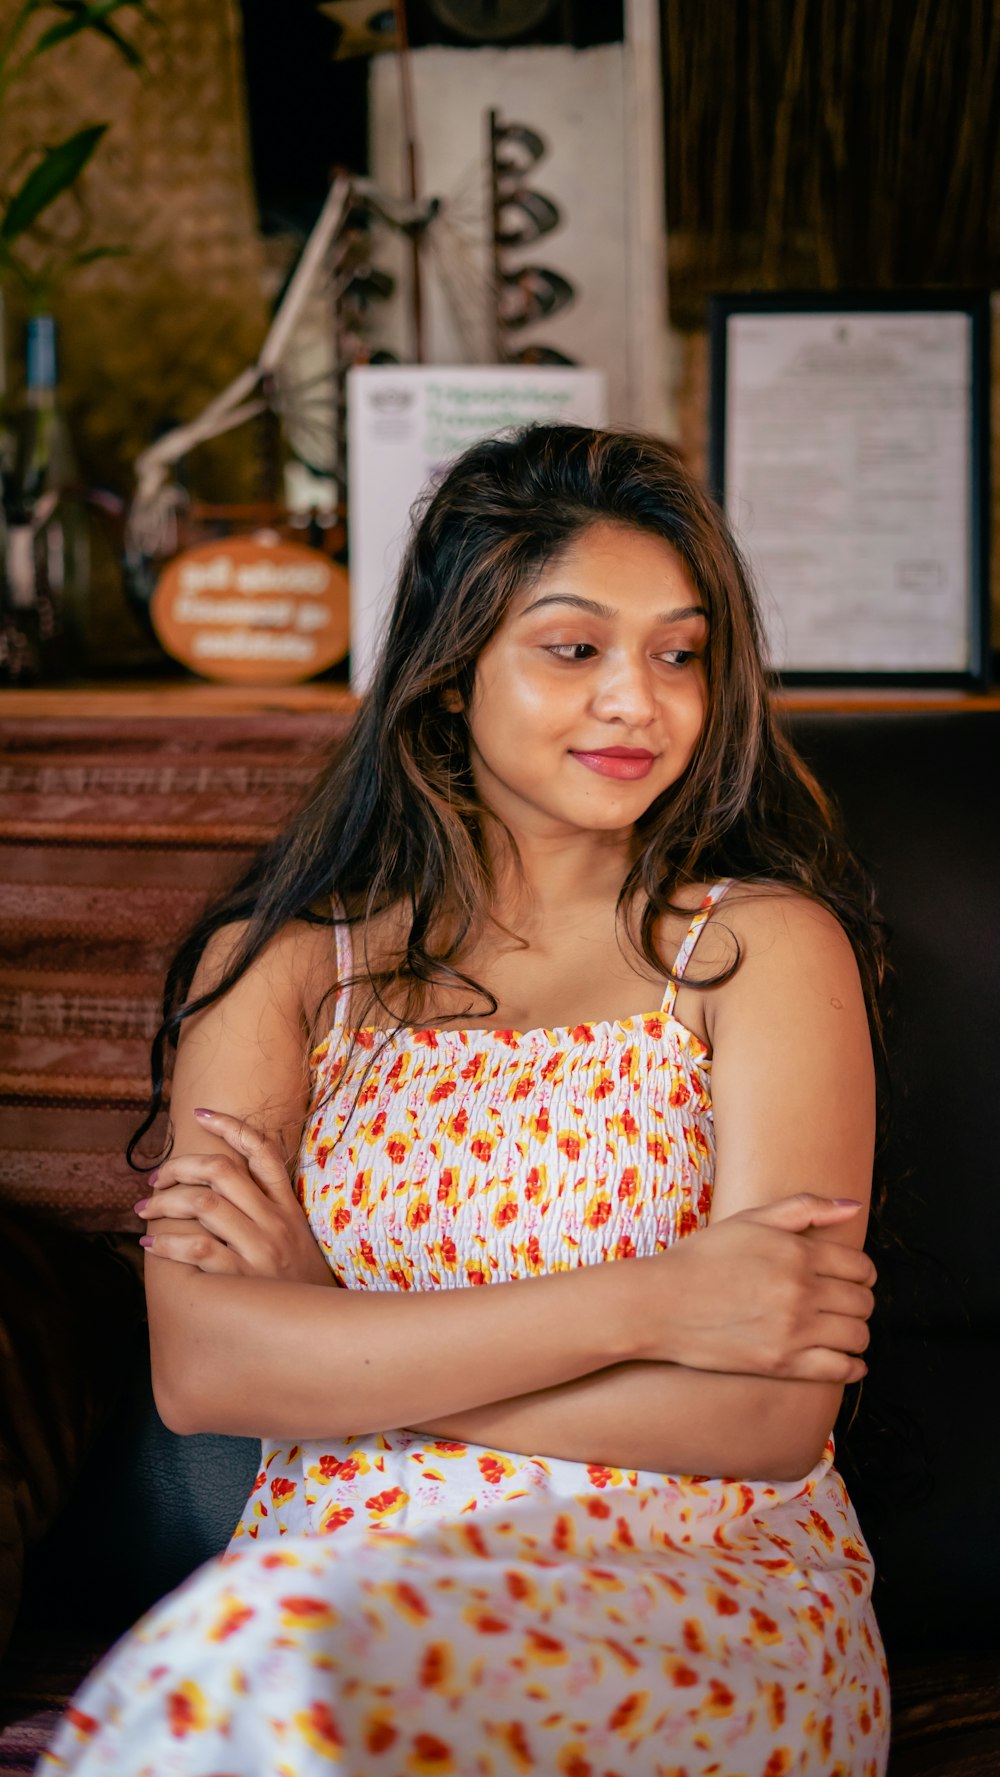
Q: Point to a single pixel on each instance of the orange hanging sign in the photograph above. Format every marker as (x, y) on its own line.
(253, 610)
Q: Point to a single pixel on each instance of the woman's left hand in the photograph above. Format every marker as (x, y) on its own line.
(232, 1214)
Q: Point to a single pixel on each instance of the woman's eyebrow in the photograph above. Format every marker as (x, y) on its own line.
(594, 609)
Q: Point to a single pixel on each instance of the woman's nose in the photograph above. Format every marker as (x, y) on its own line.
(625, 693)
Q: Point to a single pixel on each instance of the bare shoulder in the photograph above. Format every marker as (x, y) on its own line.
(294, 972)
(765, 946)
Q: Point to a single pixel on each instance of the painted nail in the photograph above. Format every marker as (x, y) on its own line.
(141, 1208)
(146, 1240)
(847, 1202)
(201, 1112)
(154, 1176)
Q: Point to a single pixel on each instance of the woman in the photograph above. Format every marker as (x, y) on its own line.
(593, 990)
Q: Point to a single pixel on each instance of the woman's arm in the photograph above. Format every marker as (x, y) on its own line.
(793, 1097)
(252, 1355)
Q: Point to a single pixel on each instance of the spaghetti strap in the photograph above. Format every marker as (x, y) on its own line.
(345, 963)
(694, 931)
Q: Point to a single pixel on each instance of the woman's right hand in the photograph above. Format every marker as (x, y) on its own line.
(763, 1293)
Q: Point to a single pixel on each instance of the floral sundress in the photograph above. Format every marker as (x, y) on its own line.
(398, 1606)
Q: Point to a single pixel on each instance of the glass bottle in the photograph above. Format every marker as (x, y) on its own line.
(45, 544)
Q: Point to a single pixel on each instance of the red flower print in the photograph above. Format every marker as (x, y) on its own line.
(657, 1149)
(359, 1187)
(625, 1248)
(535, 1183)
(427, 1039)
(430, 1755)
(524, 1085)
(436, 1666)
(779, 1763)
(409, 1602)
(485, 1623)
(720, 1698)
(281, 1489)
(598, 1213)
(547, 1649)
(493, 1468)
(505, 1212)
(764, 1627)
(187, 1711)
(563, 1537)
(629, 1709)
(443, 1089)
(340, 1217)
(232, 1617)
(379, 1733)
(382, 1505)
(397, 1148)
(482, 1147)
(681, 1675)
(776, 1706)
(628, 1184)
(598, 1475)
(318, 1727)
(84, 1724)
(335, 1519)
(539, 1124)
(307, 1613)
(569, 1143)
(533, 1256)
(418, 1213)
(376, 1128)
(679, 1091)
(603, 1086)
(458, 1125)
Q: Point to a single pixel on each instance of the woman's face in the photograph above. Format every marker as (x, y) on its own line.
(590, 698)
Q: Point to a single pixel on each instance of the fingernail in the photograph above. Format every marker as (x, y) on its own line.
(154, 1176)
(141, 1208)
(847, 1202)
(204, 1113)
(146, 1240)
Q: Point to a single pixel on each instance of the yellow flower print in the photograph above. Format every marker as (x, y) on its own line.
(319, 1729)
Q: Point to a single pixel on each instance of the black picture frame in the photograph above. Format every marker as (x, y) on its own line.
(974, 673)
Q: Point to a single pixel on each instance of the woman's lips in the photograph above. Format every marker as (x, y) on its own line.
(622, 762)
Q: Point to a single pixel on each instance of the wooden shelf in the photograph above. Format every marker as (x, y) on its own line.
(170, 698)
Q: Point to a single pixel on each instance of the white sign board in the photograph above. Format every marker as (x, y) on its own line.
(406, 425)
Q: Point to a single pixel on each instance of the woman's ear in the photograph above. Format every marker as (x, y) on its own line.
(451, 697)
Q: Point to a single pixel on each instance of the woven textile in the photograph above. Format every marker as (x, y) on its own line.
(113, 836)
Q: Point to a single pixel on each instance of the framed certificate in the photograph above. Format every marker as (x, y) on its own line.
(849, 447)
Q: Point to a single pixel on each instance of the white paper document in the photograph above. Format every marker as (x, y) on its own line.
(847, 480)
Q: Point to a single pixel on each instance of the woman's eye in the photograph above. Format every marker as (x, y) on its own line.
(679, 656)
(572, 650)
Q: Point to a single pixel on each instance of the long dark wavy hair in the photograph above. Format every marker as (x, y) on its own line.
(393, 821)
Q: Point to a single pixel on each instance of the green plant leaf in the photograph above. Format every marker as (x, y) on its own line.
(53, 175)
(92, 17)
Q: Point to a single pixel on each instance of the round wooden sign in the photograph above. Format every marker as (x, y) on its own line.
(253, 610)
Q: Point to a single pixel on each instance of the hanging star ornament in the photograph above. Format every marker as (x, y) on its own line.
(365, 27)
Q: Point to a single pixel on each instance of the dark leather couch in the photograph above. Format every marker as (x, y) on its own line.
(919, 795)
